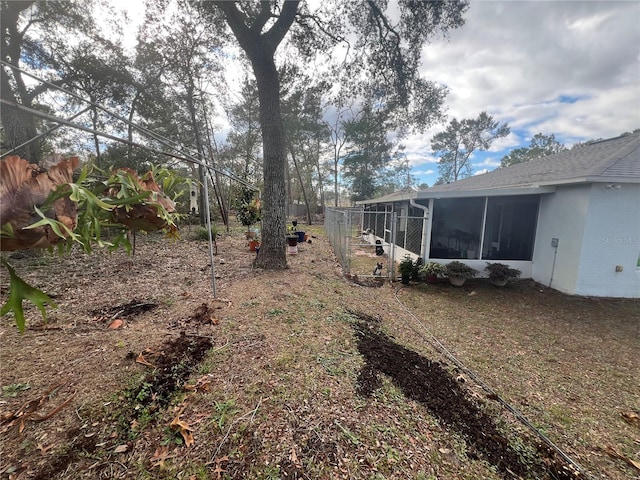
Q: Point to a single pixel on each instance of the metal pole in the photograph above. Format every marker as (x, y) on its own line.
(347, 239)
(163, 140)
(392, 244)
(208, 217)
(186, 158)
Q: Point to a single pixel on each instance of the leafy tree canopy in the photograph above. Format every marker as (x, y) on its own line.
(36, 35)
(460, 139)
(369, 152)
(539, 146)
(380, 45)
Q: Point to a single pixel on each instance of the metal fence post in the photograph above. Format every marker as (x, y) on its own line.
(392, 245)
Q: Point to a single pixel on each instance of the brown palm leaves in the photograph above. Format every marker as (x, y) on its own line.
(23, 186)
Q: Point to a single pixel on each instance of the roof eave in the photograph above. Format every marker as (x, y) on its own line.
(592, 179)
(487, 192)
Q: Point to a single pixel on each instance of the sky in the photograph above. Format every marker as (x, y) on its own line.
(568, 68)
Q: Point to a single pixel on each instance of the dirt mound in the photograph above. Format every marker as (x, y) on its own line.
(126, 311)
(432, 385)
(173, 363)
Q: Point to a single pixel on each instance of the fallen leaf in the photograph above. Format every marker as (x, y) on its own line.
(121, 448)
(219, 470)
(631, 417)
(224, 300)
(613, 453)
(160, 456)
(43, 449)
(144, 361)
(444, 450)
(203, 384)
(185, 430)
(294, 458)
(28, 411)
(117, 323)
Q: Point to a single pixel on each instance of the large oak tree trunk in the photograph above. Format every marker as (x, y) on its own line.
(19, 127)
(273, 247)
(260, 48)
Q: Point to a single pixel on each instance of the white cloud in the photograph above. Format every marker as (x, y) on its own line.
(424, 172)
(571, 69)
(489, 162)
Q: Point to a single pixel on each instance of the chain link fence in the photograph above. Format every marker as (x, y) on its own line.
(370, 243)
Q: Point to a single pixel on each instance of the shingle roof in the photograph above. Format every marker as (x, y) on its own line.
(597, 161)
(601, 161)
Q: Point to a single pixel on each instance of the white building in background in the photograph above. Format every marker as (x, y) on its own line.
(570, 220)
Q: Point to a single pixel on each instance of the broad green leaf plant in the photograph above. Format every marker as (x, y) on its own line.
(97, 199)
(20, 290)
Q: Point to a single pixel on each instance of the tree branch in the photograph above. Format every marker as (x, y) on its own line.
(276, 33)
(262, 18)
(321, 27)
(235, 20)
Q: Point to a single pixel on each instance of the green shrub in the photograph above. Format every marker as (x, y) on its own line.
(201, 233)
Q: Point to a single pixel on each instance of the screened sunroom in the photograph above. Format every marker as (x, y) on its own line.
(473, 228)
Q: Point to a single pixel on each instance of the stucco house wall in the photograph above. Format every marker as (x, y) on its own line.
(562, 216)
(611, 239)
(598, 229)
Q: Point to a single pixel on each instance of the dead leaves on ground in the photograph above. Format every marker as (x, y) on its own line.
(121, 448)
(203, 384)
(613, 453)
(160, 456)
(631, 417)
(218, 471)
(204, 314)
(183, 428)
(150, 353)
(44, 450)
(293, 457)
(117, 323)
(28, 411)
(162, 453)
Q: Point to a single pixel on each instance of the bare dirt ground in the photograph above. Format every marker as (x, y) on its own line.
(304, 374)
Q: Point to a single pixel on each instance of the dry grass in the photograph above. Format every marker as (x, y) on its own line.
(276, 397)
